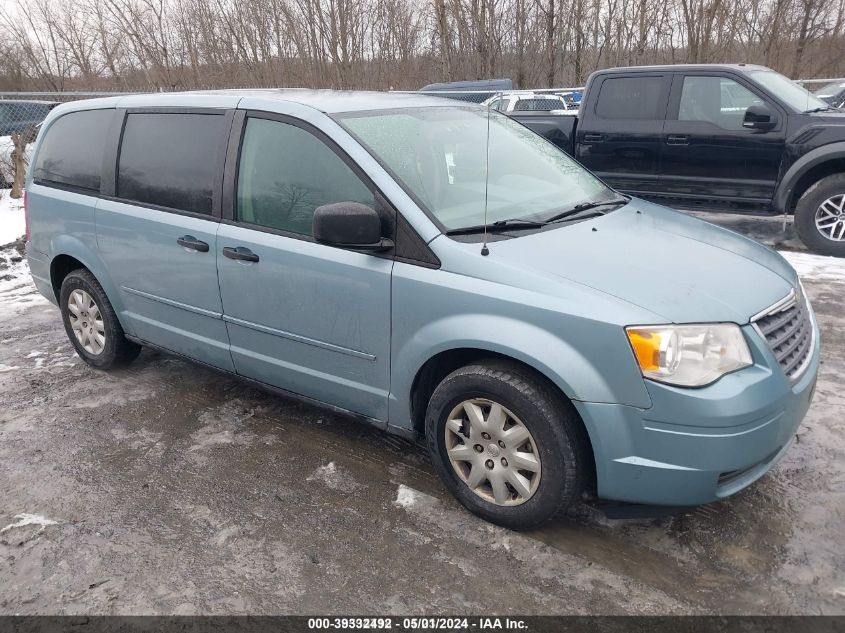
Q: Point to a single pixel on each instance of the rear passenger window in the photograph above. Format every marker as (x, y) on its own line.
(286, 172)
(72, 151)
(630, 98)
(170, 160)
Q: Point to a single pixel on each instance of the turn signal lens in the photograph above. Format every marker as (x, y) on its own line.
(689, 355)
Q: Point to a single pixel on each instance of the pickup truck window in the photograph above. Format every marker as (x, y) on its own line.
(440, 156)
(795, 96)
(630, 98)
(715, 100)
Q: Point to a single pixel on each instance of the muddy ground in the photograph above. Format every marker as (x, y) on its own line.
(167, 488)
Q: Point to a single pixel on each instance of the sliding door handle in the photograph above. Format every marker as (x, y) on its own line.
(241, 253)
(593, 138)
(677, 139)
(192, 243)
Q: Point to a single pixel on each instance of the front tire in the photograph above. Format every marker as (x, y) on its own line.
(506, 445)
(820, 216)
(91, 323)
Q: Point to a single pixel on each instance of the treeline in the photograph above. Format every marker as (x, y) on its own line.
(378, 44)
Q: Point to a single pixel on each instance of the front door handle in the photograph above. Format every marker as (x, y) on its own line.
(593, 138)
(241, 252)
(192, 243)
(677, 139)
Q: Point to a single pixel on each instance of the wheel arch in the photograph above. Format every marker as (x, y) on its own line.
(69, 253)
(60, 267)
(440, 365)
(807, 170)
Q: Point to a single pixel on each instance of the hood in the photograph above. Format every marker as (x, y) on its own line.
(832, 118)
(664, 261)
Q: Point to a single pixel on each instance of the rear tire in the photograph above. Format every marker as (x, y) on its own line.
(91, 323)
(820, 216)
(542, 474)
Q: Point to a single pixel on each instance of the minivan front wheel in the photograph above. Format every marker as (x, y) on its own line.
(91, 323)
(820, 216)
(506, 445)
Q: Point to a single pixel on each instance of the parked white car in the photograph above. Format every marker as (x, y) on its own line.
(528, 101)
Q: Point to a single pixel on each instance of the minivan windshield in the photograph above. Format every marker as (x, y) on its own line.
(441, 156)
(788, 91)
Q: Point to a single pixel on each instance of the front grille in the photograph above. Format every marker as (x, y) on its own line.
(788, 330)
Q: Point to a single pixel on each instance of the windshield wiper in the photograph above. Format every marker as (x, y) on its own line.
(819, 109)
(578, 209)
(497, 226)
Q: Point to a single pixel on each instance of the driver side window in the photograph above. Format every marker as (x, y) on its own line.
(285, 172)
(715, 100)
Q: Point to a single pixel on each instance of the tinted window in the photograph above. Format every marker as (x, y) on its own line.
(715, 100)
(72, 151)
(170, 160)
(539, 104)
(630, 98)
(286, 172)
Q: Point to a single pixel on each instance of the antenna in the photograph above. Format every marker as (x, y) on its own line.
(484, 250)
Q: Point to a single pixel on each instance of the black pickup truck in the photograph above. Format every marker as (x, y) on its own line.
(735, 138)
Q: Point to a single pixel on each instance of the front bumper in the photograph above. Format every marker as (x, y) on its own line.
(695, 446)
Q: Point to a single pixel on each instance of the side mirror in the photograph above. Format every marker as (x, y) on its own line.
(759, 117)
(349, 225)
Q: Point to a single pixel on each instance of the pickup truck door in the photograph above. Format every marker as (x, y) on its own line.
(707, 155)
(620, 129)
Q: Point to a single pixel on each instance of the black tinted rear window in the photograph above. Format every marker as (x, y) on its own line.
(72, 150)
(169, 159)
(539, 105)
(630, 98)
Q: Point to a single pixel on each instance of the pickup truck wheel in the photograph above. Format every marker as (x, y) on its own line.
(91, 323)
(508, 447)
(820, 216)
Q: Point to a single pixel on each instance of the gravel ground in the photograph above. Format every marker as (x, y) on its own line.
(167, 488)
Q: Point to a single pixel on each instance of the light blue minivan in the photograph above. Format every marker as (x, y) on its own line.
(434, 269)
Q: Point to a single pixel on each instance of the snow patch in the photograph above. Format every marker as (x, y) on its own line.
(407, 497)
(12, 222)
(816, 267)
(334, 478)
(25, 519)
(323, 472)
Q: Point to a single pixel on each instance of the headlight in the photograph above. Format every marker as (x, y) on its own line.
(689, 355)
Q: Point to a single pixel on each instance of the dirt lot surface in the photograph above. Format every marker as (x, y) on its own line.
(167, 488)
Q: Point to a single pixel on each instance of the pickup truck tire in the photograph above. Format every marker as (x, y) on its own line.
(819, 220)
(497, 422)
(91, 323)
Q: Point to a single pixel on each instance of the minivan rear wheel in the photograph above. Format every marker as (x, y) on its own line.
(91, 323)
(820, 216)
(506, 445)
